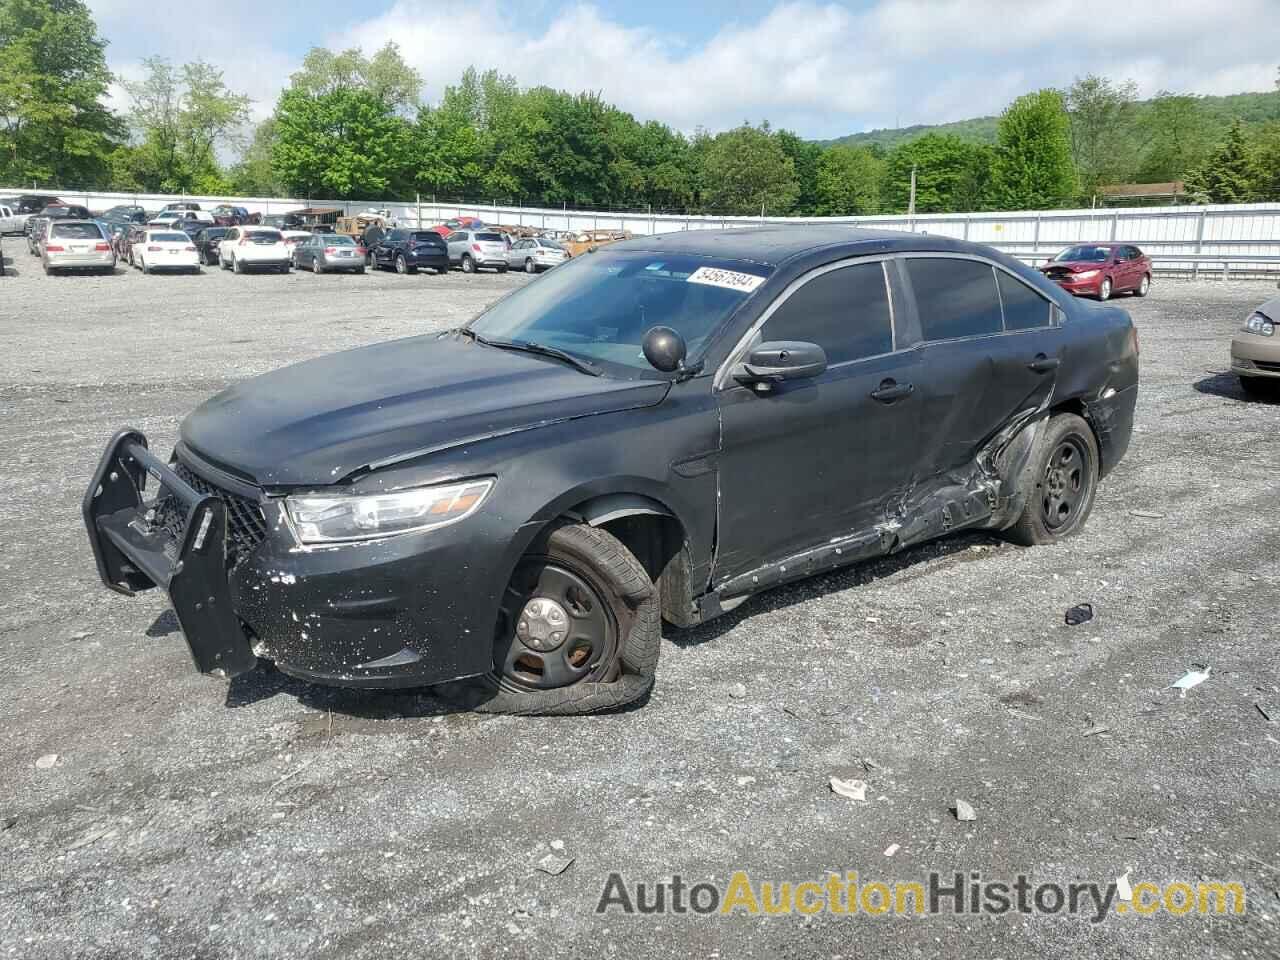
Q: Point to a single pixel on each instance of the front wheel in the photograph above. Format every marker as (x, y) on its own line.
(578, 631)
(1104, 289)
(236, 265)
(1058, 483)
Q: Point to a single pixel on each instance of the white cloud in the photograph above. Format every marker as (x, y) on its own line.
(820, 68)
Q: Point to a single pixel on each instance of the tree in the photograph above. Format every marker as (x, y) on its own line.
(1266, 154)
(805, 157)
(385, 75)
(745, 170)
(1031, 168)
(1101, 115)
(951, 175)
(847, 182)
(254, 176)
(1178, 137)
(345, 143)
(180, 117)
(54, 127)
(1228, 175)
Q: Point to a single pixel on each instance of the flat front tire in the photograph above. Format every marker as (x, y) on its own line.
(578, 632)
(1059, 482)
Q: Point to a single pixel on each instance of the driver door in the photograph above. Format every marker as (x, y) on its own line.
(811, 460)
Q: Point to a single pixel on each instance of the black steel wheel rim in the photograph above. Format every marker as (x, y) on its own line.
(590, 634)
(1065, 487)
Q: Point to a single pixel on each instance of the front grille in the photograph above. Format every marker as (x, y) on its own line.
(246, 526)
(1265, 365)
(1058, 275)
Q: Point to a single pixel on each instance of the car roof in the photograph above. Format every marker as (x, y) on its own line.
(777, 244)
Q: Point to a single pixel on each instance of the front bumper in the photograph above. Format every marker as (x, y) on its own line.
(1078, 288)
(404, 611)
(1253, 355)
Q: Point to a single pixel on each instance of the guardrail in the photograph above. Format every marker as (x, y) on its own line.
(1220, 239)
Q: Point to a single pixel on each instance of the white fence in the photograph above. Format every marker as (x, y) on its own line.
(1219, 239)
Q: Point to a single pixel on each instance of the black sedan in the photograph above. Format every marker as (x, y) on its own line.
(207, 241)
(656, 431)
(406, 251)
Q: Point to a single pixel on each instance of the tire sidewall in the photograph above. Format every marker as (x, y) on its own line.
(634, 611)
(1031, 527)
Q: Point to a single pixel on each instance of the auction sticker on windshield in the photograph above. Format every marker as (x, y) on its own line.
(729, 279)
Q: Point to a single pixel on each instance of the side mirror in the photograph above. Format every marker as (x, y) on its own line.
(778, 360)
(664, 348)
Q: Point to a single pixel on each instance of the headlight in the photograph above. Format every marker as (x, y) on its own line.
(1260, 325)
(1086, 275)
(320, 518)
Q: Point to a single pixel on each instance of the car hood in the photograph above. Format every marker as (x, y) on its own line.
(1075, 266)
(321, 420)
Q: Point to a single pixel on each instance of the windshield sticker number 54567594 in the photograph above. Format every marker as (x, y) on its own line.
(729, 279)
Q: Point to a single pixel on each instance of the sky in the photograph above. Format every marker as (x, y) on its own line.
(820, 69)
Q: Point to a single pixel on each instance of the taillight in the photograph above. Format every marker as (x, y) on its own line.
(243, 241)
(154, 249)
(475, 247)
(103, 247)
(329, 250)
(51, 248)
(189, 249)
(361, 251)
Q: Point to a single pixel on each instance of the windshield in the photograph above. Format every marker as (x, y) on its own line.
(1086, 254)
(600, 306)
(76, 231)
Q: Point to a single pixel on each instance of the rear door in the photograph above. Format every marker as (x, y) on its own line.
(991, 351)
(811, 460)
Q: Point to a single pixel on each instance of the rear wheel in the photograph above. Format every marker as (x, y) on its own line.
(315, 266)
(468, 265)
(1058, 483)
(1104, 289)
(578, 632)
(530, 266)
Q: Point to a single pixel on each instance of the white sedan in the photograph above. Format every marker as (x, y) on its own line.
(535, 253)
(166, 250)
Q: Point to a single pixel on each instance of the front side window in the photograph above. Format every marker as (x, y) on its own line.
(1024, 309)
(844, 311)
(600, 306)
(955, 298)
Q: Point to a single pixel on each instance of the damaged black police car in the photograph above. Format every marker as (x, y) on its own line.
(654, 431)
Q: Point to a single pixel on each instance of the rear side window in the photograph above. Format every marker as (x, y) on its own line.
(844, 311)
(76, 231)
(1024, 309)
(956, 298)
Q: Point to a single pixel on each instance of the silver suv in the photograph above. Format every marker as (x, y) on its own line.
(473, 249)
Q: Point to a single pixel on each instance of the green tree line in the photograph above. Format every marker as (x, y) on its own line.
(355, 126)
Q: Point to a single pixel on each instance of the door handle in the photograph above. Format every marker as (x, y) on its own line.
(1043, 364)
(890, 391)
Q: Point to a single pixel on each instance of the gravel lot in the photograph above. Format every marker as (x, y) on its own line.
(183, 818)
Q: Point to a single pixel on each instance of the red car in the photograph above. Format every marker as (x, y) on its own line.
(1100, 270)
(458, 223)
